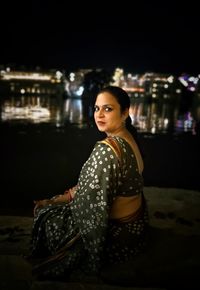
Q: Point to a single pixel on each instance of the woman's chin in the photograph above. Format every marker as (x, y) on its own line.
(101, 129)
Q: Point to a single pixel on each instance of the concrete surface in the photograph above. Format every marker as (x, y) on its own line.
(171, 261)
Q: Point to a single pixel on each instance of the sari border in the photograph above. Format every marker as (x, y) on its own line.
(114, 145)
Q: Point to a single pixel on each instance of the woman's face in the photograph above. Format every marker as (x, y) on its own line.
(107, 114)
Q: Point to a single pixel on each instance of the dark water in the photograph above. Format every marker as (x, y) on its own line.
(42, 151)
(149, 116)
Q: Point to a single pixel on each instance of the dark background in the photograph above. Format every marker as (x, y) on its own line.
(139, 36)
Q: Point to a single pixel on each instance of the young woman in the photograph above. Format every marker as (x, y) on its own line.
(104, 217)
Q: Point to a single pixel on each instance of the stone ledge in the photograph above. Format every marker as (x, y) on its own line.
(172, 258)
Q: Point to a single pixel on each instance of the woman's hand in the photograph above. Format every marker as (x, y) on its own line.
(70, 193)
(41, 203)
(66, 197)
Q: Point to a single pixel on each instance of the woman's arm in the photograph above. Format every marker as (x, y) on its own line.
(65, 198)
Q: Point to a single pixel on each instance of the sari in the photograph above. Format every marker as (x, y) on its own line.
(80, 234)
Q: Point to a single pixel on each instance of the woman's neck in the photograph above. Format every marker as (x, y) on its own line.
(121, 131)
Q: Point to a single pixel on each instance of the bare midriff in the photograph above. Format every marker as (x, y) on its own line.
(125, 206)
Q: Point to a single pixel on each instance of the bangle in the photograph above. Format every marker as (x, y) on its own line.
(70, 196)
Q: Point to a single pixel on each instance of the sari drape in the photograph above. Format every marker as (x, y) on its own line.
(80, 233)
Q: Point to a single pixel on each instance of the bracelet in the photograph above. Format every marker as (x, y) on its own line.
(70, 197)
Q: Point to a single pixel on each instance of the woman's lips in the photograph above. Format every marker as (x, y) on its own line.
(100, 123)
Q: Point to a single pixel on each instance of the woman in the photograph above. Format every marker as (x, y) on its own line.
(104, 217)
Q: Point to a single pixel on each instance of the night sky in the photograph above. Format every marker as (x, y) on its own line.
(159, 36)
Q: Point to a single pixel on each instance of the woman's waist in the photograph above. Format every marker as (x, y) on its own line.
(124, 206)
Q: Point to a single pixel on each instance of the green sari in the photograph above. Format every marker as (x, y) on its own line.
(80, 234)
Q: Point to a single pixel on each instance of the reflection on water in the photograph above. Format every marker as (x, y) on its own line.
(150, 117)
(77, 111)
(25, 111)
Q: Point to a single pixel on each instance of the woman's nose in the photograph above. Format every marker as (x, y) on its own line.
(100, 113)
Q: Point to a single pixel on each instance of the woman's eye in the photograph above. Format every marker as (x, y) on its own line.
(107, 109)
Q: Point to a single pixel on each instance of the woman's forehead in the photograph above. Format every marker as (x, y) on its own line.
(106, 97)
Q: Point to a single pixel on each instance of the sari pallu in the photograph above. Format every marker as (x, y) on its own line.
(56, 224)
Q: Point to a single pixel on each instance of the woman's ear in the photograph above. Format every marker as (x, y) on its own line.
(126, 114)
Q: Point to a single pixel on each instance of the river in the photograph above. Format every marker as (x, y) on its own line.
(148, 116)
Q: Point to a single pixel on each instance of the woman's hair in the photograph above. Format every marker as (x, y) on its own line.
(124, 101)
(120, 95)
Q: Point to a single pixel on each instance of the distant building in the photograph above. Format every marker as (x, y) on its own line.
(30, 82)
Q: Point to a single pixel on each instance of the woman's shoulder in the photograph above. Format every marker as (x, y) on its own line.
(117, 141)
(113, 143)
